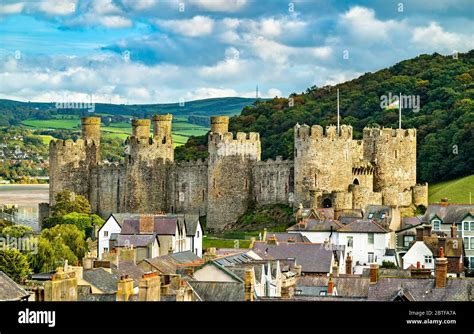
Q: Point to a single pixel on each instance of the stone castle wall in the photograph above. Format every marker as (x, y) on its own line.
(328, 169)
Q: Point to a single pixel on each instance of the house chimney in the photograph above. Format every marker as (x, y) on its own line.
(335, 269)
(264, 237)
(272, 240)
(441, 270)
(418, 266)
(427, 230)
(374, 271)
(149, 288)
(454, 231)
(330, 285)
(210, 254)
(419, 233)
(298, 269)
(249, 287)
(124, 289)
(441, 244)
(348, 265)
(444, 201)
(146, 224)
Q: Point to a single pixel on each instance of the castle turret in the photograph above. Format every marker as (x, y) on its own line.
(229, 172)
(219, 124)
(91, 129)
(141, 128)
(323, 161)
(162, 127)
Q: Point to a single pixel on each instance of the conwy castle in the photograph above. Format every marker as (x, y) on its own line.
(329, 169)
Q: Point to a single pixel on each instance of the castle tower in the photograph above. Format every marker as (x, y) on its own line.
(219, 124)
(91, 129)
(229, 172)
(141, 128)
(162, 125)
(393, 152)
(323, 161)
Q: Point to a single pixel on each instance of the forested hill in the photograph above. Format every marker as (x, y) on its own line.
(444, 122)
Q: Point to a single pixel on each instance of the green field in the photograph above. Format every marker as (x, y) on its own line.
(457, 191)
(181, 130)
(224, 243)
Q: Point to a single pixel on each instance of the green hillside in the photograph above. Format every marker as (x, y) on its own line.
(457, 191)
(444, 121)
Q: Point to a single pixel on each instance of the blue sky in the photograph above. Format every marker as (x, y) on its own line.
(157, 51)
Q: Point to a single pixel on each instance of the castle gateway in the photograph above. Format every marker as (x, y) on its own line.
(329, 169)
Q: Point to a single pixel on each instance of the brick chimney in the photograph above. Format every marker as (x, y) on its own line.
(249, 287)
(146, 224)
(124, 289)
(427, 230)
(441, 244)
(441, 270)
(272, 240)
(454, 231)
(149, 288)
(419, 233)
(335, 269)
(420, 272)
(349, 265)
(298, 268)
(330, 285)
(374, 271)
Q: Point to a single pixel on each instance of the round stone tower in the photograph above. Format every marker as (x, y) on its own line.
(219, 124)
(162, 126)
(141, 128)
(91, 129)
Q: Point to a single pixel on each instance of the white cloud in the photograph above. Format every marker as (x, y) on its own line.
(434, 37)
(220, 5)
(13, 8)
(362, 24)
(56, 7)
(272, 92)
(139, 4)
(197, 26)
(115, 21)
(103, 7)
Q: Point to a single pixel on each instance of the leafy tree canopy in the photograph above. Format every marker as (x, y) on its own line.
(67, 202)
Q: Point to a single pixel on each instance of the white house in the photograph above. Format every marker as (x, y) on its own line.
(111, 226)
(193, 234)
(418, 252)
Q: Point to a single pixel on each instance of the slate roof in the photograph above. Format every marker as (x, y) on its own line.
(449, 214)
(163, 225)
(168, 264)
(233, 259)
(120, 217)
(101, 279)
(363, 226)
(10, 290)
(258, 266)
(410, 221)
(387, 288)
(315, 225)
(218, 291)
(313, 258)
(377, 211)
(130, 269)
(285, 236)
(137, 240)
(191, 222)
(350, 286)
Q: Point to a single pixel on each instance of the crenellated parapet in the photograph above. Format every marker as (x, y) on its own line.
(197, 163)
(386, 133)
(242, 144)
(317, 132)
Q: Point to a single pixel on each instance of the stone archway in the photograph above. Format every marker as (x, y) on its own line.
(327, 203)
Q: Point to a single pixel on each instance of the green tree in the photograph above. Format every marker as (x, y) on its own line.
(51, 254)
(14, 264)
(16, 231)
(67, 202)
(70, 236)
(83, 222)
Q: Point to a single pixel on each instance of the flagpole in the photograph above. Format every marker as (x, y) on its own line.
(400, 111)
(338, 111)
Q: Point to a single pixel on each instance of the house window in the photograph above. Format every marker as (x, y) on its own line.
(350, 241)
(466, 226)
(407, 239)
(371, 257)
(371, 215)
(370, 238)
(106, 249)
(436, 225)
(472, 243)
(106, 233)
(197, 234)
(428, 259)
(472, 226)
(471, 262)
(466, 242)
(196, 251)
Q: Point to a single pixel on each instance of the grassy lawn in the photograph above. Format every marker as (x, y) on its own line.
(224, 243)
(46, 139)
(67, 124)
(457, 191)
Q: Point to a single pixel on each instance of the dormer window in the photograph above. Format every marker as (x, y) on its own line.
(371, 215)
(436, 225)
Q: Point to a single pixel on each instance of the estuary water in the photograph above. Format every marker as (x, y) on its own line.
(27, 197)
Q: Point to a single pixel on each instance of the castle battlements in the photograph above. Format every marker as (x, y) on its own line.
(192, 163)
(389, 132)
(69, 144)
(228, 137)
(317, 132)
(274, 162)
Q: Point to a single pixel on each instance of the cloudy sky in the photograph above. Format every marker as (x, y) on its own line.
(156, 51)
